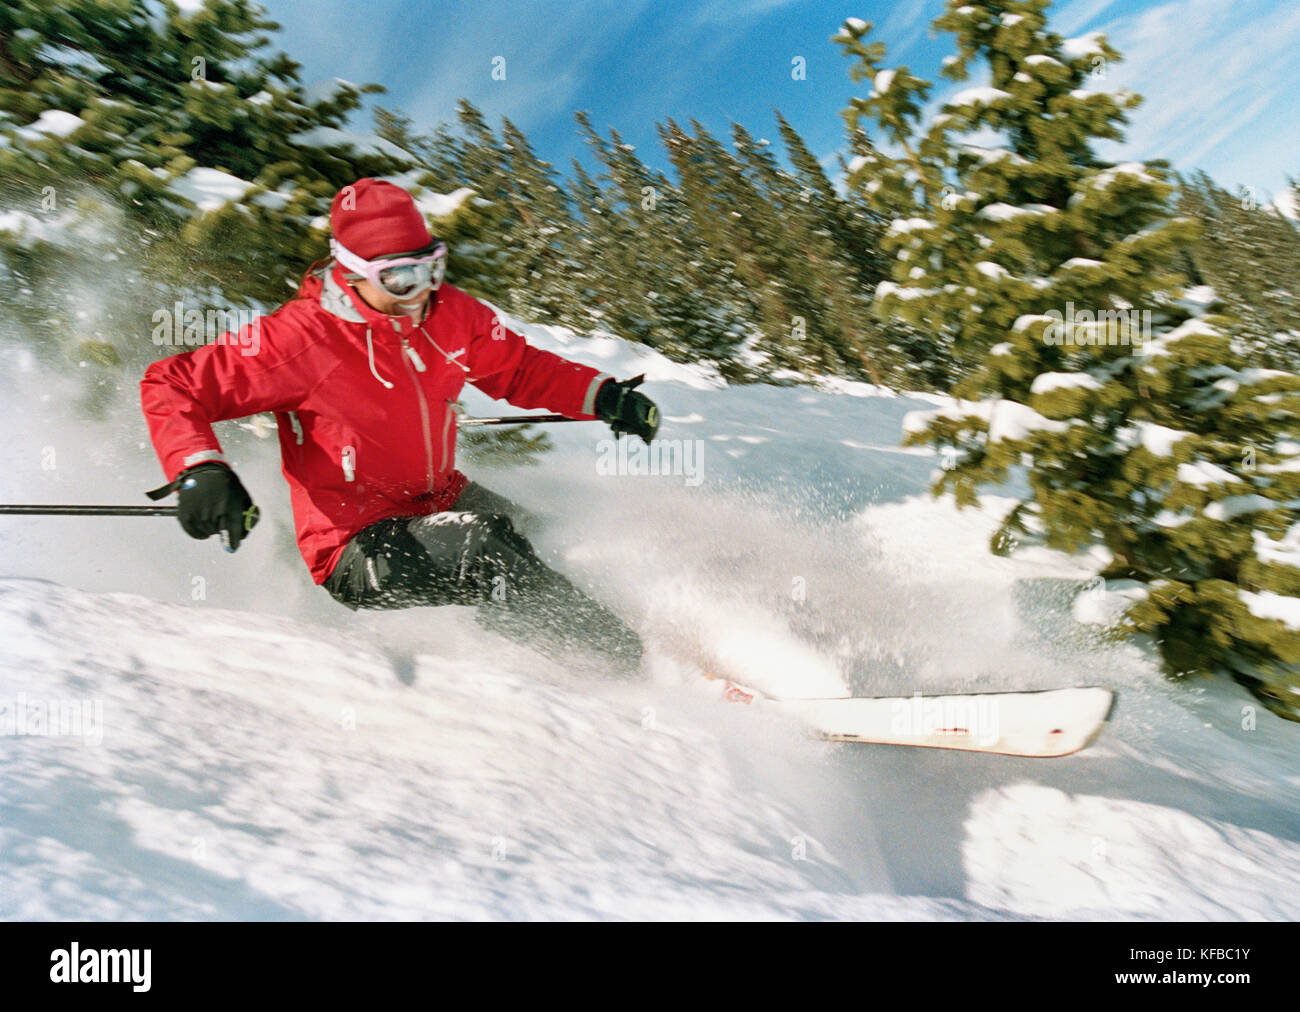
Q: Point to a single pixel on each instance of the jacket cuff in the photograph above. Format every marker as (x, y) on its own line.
(165, 490)
(589, 402)
(177, 461)
(201, 457)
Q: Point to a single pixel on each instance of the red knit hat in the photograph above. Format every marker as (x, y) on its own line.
(373, 218)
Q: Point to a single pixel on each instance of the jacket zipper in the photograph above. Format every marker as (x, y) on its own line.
(446, 427)
(451, 404)
(416, 365)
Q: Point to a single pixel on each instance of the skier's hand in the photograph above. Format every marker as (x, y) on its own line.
(214, 501)
(626, 409)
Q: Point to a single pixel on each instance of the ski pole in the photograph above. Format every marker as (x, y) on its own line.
(62, 510)
(469, 423)
(56, 509)
(91, 511)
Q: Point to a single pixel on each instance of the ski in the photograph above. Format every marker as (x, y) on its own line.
(1040, 724)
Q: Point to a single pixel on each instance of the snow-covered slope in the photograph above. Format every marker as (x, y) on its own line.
(258, 752)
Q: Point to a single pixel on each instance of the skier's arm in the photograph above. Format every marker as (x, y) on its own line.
(255, 370)
(504, 365)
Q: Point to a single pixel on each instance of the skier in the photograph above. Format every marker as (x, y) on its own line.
(362, 368)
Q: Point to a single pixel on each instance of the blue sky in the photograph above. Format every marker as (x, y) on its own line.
(1219, 76)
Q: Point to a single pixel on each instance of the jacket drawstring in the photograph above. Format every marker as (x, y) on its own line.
(449, 358)
(370, 350)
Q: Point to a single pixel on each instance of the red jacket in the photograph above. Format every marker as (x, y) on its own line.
(363, 402)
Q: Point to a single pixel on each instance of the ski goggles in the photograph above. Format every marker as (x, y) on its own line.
(401, 275)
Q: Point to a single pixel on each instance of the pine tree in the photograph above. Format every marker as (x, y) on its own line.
(1057, 277)
(854, 228)
(595, 245)
(152, 155)
(478, 233)
(148, 108)
(628, 269)
(667, 287)
(841, 335)
(544, 232)
(735, 225)
(1251, 256)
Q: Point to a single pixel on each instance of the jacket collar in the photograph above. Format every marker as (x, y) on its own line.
(340, 299)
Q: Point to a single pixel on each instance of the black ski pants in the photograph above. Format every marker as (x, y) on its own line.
(472, 555)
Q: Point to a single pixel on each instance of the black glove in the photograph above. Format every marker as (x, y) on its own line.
(213, 500)
(626, 410)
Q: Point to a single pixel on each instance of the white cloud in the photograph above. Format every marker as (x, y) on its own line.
(720, 12)
(904, 27)
(1213, 76)
(1069, 18)
(1242, 120)
(1209, 70)
(312, 30)
(548, 52)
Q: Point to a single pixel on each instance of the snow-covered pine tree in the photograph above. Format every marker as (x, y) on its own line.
(479, 232)
(834, 313)
(740, 228)
(906, 357)
(596, 226)
(634, 264)
(1250, 254)
(919, 357)
(666, 285)
(694, 299)
(851, 230)
(182, 126)
(1141, 429)
(544, 235)
(853, 227)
